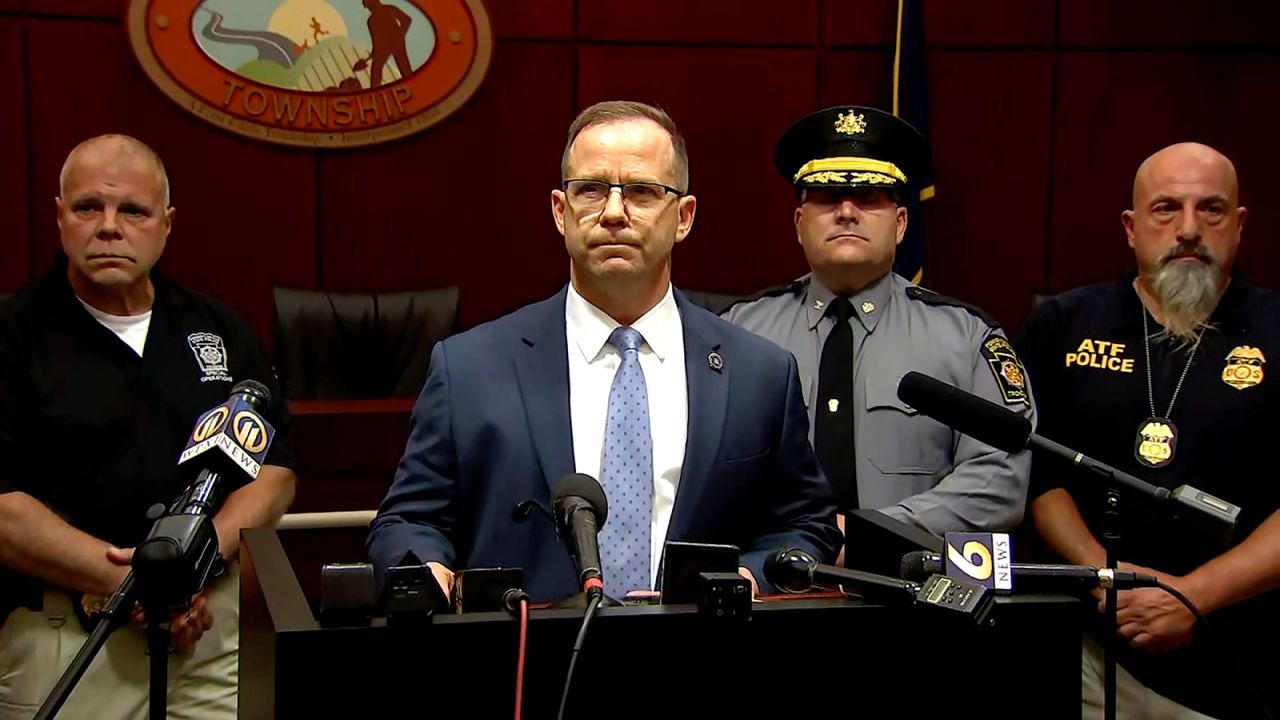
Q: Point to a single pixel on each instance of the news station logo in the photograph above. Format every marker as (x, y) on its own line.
(314, 73)
(236, 431)
(982, 558)
(250, 432)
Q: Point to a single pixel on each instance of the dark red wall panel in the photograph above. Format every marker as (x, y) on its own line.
(727, 22)
(1030, 184)
(1115, 109)
(856, 77)
(859, 23)
(467, 203)
(14, 198)
(245, 211)
(743, 238)
(79, 8)
(1168, 24)
(991, 23)
(542, 20)
(990, 138)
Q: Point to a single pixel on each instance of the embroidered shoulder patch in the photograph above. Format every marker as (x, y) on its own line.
(1010, 375)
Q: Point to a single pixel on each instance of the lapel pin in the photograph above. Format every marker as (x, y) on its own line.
(817, 304)
(714, 361)
(868, 307)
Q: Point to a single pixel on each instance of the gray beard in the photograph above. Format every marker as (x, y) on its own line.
(1187, 293)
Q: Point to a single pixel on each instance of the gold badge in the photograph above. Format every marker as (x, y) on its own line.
(1244, 367)
(851, 123)
(868, 307)
(833, 405)
(1157, 439)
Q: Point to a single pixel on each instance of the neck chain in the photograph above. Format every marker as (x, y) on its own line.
(1157, 438)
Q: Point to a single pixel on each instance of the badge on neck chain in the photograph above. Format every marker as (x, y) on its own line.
(1156, 443)
(1157, 439)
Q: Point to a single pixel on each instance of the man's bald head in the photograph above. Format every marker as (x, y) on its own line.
(1184, 229)
(115, 147)
(1181, 162)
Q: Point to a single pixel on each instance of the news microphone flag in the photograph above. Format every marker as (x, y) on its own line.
(236, 430)
(982, 558)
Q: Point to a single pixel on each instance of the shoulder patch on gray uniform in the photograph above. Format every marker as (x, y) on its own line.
(930, 297)
(1009, 373)
(775, 291)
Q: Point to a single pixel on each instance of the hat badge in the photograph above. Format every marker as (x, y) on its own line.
(851, 123)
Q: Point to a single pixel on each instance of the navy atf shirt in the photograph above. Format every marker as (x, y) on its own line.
(1084, 353)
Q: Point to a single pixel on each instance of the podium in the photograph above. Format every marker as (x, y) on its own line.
(797, 656)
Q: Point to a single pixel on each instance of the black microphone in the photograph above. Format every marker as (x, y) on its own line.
(581, 509)
(795, 571)
(1041, 577)
(181, 554)
(1006, 430)
(965, 412)
(523, 509)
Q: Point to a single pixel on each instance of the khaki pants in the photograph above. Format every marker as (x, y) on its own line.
(36, 647)
(1134, 701)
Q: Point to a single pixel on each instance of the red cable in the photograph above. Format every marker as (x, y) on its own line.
(524, 632)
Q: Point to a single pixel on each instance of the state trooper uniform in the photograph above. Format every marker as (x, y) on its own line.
(909, 466)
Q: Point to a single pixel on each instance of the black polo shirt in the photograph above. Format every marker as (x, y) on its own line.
(91, 429)
(1084, 353)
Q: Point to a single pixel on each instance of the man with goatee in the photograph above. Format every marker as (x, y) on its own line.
(1164, 375)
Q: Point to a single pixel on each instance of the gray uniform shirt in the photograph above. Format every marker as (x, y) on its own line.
(909, 466)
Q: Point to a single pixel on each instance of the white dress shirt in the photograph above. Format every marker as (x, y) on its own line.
(592, 364)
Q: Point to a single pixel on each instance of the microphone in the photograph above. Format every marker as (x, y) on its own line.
(581, 509)
(181, 554)
(921, 564)
(523, 509)
(795, 571)
(965, 412)
(1010, 432)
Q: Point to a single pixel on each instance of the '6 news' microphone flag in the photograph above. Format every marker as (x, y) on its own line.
(911, 103)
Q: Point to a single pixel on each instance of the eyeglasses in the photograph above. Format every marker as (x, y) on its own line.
(590, 196)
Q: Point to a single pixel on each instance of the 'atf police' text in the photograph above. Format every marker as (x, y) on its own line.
(1101, 354)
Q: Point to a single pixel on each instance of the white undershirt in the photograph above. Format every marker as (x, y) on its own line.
(132, 329)
(592, 364)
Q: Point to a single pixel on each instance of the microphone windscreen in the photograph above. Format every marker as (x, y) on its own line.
(254, 392)
(919, 565)
(585, 487)
(790, 570)
(965, 412)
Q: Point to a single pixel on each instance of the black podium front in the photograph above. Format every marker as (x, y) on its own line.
(794, 657)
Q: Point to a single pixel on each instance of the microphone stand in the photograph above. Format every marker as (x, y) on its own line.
(159, 638)
(1112, 534)
(113, 616)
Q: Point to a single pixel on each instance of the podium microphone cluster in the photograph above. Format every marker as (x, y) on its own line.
(795, 571)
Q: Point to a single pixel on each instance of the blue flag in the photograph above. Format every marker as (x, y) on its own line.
(911, 103)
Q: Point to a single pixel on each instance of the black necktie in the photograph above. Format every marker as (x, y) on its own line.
(833, 420)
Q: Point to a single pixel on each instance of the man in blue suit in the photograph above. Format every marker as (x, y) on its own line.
(696, 428)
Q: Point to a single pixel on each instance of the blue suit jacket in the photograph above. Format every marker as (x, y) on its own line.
(492, 427)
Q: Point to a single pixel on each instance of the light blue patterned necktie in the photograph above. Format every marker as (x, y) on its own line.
(626, 472)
